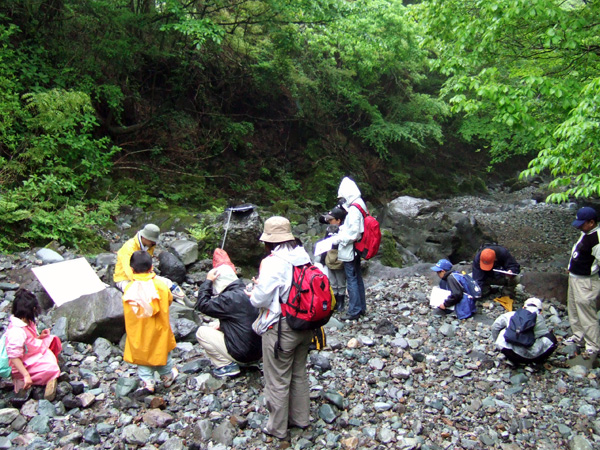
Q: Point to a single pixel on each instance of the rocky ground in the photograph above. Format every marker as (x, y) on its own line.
(401, 377)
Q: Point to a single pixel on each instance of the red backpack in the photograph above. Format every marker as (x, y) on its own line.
(310, 301)
(368, 246)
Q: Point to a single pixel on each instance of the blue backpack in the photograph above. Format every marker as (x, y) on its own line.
(466, 307)
(520, 329)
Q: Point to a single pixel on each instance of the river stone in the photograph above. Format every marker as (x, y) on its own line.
(400, 342)
(86, 399)
(171, 267)
(134, 435)
(7, 415)
(157, 419)
(106, 259)
(519, 378)
(224, 433)
(19, 423)
(173, 443)
(447, 330)
(184, 330)
(376, 364)
(49, 256)
(327, 413)
(102, 349)
(334, 397)
(125, 386)
(195, 366)
(94, 315)
(587, 410)
(105, 429)
(39, 425)
(578, 371)
(320, 361)
(186, 251)
(205, 427)
(381, 406)
(46, 408)
(207, 384)
(91, 436)
(579, 443)
(71, 438)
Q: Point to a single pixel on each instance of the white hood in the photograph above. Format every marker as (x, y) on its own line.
(296, 256)
(349, 191)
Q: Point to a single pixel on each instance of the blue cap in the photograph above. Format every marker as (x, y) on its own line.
(442, 264)
(583, 215)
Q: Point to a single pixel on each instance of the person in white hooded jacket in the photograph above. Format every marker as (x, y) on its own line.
(286, 377)
(350, 232)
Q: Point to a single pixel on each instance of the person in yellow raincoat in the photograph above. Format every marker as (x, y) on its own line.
(145, 239)
(146, 302)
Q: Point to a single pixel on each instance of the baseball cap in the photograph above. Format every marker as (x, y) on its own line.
(442, 264)
(535, 302)
(583, 215)
(486, 259)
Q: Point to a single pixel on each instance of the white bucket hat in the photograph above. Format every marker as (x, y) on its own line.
(277, 229)
(150, 232)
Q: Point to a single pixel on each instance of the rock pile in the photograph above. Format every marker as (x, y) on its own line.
(400, 378)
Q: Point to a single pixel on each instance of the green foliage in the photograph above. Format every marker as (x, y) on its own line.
(526, 75)
(390, 256)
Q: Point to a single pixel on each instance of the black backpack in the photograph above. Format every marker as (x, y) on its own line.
(520, 328)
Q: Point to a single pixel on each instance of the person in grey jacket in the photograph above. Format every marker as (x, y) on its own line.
(350, 232)
(545, 341)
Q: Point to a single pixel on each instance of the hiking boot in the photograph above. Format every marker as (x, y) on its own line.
(349, 317)
(230, 370)
(339, 302)
(168, 380)
(50, 391)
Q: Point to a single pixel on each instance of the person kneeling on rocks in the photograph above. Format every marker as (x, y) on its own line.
(543, 341)
(458, 299)
(494, 265)
(233, 341)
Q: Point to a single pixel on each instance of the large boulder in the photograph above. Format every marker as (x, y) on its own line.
(241, 241)
(171, 267)
(186, 251)
(424, 229)
(92, 316)
(546, 285)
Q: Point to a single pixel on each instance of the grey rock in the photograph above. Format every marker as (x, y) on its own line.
(334, 397)
(49, 256)
(173, 443)
(106, 259)
(587, 410)
(92, 316)
(320, 361)
(186, 251)
(132, 434)
(102, 348)
(171, 267)
(327, 413)
(385, 435)
(376, 364)
(156, 418)
(205, 428)
(39, 425)
(579, 443)
(104, 429)
(184, 330)
(195, 366)
(224, 433)
(447, 330)
(71, 438)
(382, 406)
(91, 436)
(125, 386)
(7, 415)
(60, 328)
(207, 383)
(519, 378)
(46, 408)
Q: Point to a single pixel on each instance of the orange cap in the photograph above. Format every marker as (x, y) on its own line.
(486, 259)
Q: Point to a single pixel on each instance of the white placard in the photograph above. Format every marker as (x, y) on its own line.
(68, 280)
(437, 296)
(323, 246)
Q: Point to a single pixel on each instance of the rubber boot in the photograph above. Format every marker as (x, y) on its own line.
(339, 302)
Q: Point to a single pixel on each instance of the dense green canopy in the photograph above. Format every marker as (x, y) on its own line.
(201, 103)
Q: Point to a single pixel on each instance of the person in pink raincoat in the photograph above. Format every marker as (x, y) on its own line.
(32, 356)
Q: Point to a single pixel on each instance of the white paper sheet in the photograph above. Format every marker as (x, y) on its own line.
(68, 280)
(437, 297)
(505, 272)
(323, 246)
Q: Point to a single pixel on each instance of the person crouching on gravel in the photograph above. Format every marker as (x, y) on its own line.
(223, 297)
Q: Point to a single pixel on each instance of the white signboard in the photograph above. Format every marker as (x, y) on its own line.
(68, 280)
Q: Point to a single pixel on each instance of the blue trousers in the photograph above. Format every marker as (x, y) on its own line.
(146, 373)
(356, 288)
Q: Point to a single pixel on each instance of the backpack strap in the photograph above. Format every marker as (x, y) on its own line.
(277, 346)
(362, 211)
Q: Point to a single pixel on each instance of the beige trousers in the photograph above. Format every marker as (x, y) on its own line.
(213, 343)
(583, 315)
(286, 379)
